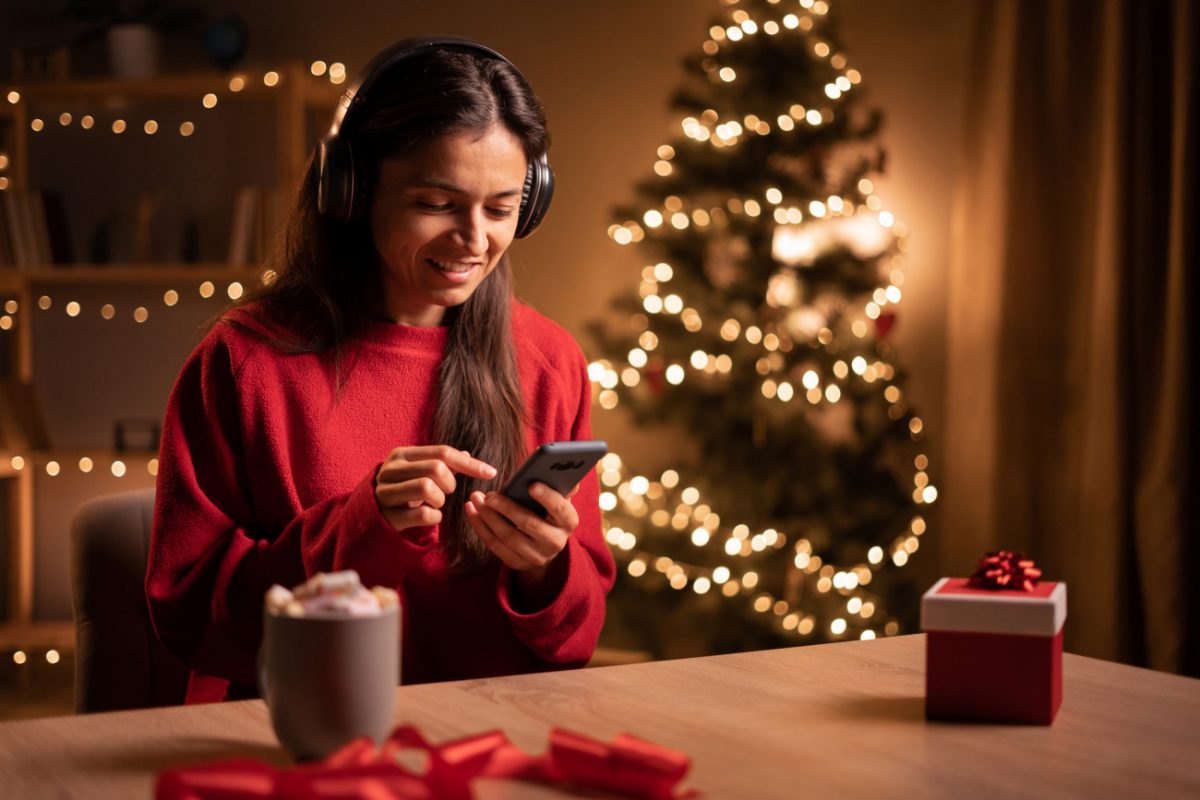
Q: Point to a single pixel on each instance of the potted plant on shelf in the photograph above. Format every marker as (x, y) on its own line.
(132, 30)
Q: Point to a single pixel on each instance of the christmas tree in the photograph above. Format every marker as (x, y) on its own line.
(760, 329)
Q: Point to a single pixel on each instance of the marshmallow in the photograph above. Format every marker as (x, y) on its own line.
(330, 593)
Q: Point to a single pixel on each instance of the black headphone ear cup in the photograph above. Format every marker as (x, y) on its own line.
(536, 195)
(336, 179)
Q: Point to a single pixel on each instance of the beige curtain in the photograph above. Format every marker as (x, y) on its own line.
(1069, 428)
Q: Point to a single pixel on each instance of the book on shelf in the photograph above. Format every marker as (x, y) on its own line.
(22, 426)
(258, 217)
(33, 229)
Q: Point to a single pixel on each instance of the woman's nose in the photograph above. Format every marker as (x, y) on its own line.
(472, 234)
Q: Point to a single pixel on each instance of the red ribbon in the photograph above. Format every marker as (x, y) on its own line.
(1005, 569)
(628, 766)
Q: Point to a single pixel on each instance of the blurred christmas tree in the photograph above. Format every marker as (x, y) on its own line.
(760, 329)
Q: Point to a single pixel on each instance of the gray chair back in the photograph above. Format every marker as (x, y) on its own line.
(119, 662)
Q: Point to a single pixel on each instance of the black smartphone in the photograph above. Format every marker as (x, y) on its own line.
(559, 465)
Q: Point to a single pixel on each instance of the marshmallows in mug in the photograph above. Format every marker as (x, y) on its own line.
(330, 593)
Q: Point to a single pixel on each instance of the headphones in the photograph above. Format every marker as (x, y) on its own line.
(341, 184)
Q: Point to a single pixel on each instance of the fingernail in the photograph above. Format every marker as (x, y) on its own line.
(489, 470)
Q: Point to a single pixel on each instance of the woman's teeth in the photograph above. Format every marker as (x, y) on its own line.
(450, 266)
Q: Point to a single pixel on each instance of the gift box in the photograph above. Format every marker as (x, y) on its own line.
(993, 655)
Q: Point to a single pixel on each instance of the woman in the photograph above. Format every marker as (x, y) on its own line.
(355, 412)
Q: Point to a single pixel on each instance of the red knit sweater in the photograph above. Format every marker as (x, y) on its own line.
(266, 476)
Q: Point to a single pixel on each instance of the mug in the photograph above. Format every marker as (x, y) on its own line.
(329, 679)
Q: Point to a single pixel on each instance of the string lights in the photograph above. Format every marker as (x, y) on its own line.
(334, 72)
(22, 658)
(206, 290)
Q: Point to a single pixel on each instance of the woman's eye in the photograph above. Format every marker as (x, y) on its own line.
(500, 212)
(433, 206)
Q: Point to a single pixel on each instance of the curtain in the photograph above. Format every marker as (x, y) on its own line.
(1069, 424)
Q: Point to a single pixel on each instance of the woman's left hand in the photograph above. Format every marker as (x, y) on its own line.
(518, 537)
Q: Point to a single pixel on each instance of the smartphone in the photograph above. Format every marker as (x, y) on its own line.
(559, 465)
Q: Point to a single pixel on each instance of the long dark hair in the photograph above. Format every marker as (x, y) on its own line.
(327, 273)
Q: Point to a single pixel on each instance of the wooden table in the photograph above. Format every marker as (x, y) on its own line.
(838, 720)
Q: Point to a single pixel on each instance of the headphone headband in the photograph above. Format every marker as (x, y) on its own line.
(340, 184)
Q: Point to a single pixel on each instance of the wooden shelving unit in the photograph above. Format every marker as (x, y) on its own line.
(294, 93)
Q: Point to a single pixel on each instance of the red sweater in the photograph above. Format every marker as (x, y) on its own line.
(266, 476)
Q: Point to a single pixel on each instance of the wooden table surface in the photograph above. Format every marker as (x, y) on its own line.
(832, 720)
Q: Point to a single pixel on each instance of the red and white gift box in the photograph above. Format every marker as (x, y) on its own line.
(993, 655)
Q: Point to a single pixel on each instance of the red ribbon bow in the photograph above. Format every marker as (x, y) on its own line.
(1005, 569)
(628, 766)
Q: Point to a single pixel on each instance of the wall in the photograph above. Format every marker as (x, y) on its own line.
(604, 72)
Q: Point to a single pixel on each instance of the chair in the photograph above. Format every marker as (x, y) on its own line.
(119, 662)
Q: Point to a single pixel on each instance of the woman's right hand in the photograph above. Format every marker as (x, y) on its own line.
(412, 484)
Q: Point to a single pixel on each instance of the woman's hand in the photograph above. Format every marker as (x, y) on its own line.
(518, 537)
(412, 484)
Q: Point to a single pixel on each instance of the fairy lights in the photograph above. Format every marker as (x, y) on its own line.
(271, 79)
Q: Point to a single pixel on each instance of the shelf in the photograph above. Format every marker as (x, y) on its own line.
(38, 636)
(184, 86)
(12, 279)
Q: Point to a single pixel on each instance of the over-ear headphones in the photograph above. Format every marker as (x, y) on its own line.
(341, 182)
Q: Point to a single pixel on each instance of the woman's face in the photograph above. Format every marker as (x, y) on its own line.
(441, 219)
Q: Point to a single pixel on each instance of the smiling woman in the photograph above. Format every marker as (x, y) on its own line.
(442, 218)
(356, 412)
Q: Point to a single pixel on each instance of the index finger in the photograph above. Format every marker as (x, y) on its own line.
(457, 460)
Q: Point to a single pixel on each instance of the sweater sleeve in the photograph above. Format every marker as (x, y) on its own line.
(210, 562)
(564, 633)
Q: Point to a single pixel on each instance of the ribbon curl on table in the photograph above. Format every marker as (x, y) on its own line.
(628, 766)
(1005, 569)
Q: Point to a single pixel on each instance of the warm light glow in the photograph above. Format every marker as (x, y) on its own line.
(237, 83)
(72, 309)
(187, 129)
(318, 68)
(53, 468)
(118, 468)
(87, 121)
(141, 314)
(151, 127)
(271, 78)
(19, 656)
(118, 126)
(52, 656)
(234, 290)
(207, 289)
(85, 464)
(209, 100)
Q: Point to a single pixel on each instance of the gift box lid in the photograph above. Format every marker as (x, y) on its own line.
(952, 605)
